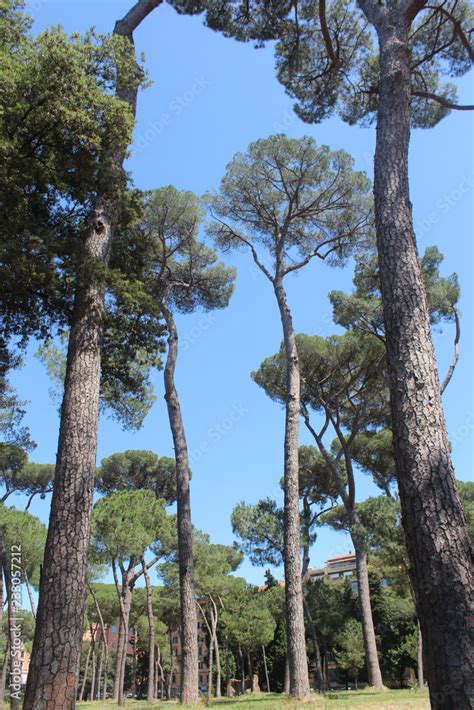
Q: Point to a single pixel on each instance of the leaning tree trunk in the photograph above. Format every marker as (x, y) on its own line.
(189, 643)
(298, 663)
(86, 671)
(30, 593)
(54, 665)
(151, 636)
(368, 631)
(435, 527)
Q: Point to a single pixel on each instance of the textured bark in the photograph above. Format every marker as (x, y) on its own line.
(124, 591)
(151, 637)
(298, 664)
(54, 665)
(435, 527)
(189, 643)
(370, 644)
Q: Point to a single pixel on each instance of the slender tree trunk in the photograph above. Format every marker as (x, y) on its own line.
(211, 663)
(267, 677)
(370, 644)
(242, 669)
(104, 637)
(298, 663)
(86, 671)
(100, 671)
(286, 678)
(307, 610)
(214, 621)
(3, 677)
(436, 532)
(151, 637)
(54, 664)
(30, 593)
(14, 648)
(189, 644)
(170, 677)
(133, 682)
(250, 670)
(93, 664)
(118, 660)
(125, 642)
(419, 657)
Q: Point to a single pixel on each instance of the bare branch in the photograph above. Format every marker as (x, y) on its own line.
(441, 100)
(455, 359)
(129, 23)
(457, 29)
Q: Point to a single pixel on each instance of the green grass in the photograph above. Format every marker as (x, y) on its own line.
(372, 700)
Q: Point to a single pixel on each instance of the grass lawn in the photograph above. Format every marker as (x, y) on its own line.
(391, 700)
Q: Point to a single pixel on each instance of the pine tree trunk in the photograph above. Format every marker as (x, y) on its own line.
(210, 662)
(306, 609)
(298, 663)
(3, 677)
(14, 657)
(189, 644)
(86, 671)
(93, 664)
(100, 672)
(54, 665)
(286, 678)
(30, 594)
(151, 637)
(265, 668)
(104, 638)
(419, 657)
(435, 527)
(242, 670)
(370, 644)
(123, 659)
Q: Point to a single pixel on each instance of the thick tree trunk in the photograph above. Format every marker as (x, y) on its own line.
(298, 663)
(189, 644)
(151, 638)
(54, 664)
(370, 644)
(435, 527)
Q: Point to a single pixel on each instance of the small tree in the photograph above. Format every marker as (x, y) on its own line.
(350, 653)
(288, 202)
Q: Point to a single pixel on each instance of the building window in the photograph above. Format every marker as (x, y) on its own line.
(200, 650)
(201, 665)
(174, 678)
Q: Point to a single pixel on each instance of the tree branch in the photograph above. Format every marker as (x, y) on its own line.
(129, 23)
(440, 100)
(457, 29)
(455, 359)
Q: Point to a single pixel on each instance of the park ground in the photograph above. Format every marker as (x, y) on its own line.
(389, 700)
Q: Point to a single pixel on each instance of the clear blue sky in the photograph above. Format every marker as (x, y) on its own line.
(210, 98)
